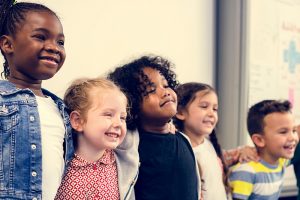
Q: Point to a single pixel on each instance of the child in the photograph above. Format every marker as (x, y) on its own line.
(98, 116)
(296, 163)
(33, 122)
(272, 129)
(168, 168)
(197, 117)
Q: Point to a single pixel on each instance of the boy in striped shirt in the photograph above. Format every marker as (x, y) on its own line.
(272, 129)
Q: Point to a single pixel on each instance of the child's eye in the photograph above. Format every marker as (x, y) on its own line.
(108, 114)
(203, 106)
(295, 131)
(283, 131)
(151, 91)
(40, 37)
(61, 42)
(123, 118)
(216, 109)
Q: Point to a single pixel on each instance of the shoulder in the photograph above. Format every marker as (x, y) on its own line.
(52, 95)
(248, 167)
(7, 87)
(284, 162)
(242, 173)
(131, 141)
(127, 151)
(184, 139)
(182, 136)
(242, 179)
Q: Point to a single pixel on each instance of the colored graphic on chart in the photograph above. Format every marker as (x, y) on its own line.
(291, 96)
(291, 56)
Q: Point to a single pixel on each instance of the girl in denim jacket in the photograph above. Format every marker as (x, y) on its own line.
(35, 132)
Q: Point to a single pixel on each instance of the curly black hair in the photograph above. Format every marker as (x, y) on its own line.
(12, 17)
(134, 82)
(258, 112)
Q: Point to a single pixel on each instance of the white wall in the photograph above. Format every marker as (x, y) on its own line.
(101, 34)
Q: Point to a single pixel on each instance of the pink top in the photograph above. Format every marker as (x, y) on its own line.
(85, 180)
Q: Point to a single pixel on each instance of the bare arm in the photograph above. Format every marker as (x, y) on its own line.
(240, 154)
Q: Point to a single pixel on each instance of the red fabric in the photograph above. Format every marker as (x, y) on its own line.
(84, 180)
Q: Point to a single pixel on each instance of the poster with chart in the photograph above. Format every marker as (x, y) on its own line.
(273, 57)
(273, 53)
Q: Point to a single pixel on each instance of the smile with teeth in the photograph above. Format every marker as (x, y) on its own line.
(289, 147)
(50, 59)
(112, 135)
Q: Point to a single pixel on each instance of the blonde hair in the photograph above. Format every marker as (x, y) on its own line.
(77, 96)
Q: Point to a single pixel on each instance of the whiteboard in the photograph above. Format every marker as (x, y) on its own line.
(273, 59)
(273, 53)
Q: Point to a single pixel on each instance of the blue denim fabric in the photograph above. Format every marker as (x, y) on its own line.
(20, 142)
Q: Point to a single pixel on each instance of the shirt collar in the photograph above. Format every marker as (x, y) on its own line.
(108, 158)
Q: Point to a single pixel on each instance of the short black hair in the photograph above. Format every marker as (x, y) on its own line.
(134, 82)
(12, 17)
(258, 112)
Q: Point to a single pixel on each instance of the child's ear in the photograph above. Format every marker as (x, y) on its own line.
(180, 114)
(6, 44)
(76, 121)
(258, 140)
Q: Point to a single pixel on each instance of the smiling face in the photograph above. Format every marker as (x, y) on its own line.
(37, 50)
(159, 105)
(201, 114)
(104, 124)
(279, 138)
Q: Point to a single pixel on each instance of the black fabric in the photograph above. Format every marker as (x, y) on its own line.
(167, 169)
(296, 162)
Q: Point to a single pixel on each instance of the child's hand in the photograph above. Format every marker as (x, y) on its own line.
(231, 156)
(240, 154)
(172, 128)
(248, 153)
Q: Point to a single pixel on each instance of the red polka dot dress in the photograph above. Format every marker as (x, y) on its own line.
(85, 180)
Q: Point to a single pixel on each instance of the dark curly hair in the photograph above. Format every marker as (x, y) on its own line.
(258, 112)
(12, 17)
(134, 82)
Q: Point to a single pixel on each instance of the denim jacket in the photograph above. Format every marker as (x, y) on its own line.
(20, 142)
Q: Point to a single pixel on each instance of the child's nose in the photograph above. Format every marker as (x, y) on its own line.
(117, 122)
(296, 137)
(165, 92)
(211, 111)
(52, 47)
(293, 136)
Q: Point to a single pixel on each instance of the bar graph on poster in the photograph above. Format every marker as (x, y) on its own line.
(273, 54)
